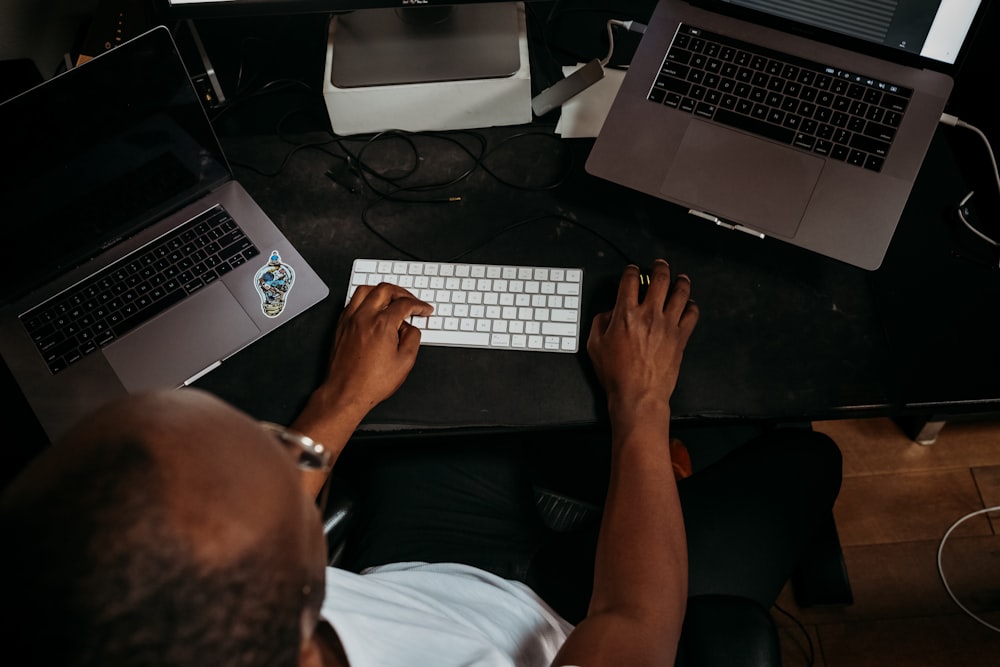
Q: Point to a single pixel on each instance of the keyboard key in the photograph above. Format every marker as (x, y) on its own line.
(456, 338)
(741, 122)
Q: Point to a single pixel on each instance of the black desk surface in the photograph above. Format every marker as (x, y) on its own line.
(784, 334)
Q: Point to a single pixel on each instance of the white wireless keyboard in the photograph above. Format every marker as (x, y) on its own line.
(486, 305)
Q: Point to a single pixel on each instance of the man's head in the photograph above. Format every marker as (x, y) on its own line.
(166, 529)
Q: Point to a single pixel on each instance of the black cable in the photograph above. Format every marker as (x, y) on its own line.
(544, 216)
(396, 181)
(273, 86)
(493, 237)
(507, 140)
(478, 157)
(288, 156)
(392, 188)
(811, 656)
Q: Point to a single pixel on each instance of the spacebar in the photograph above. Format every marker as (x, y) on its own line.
(457, 338)
(750, 124)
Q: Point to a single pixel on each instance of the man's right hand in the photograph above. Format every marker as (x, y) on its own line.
(637, 604)
(636, 348)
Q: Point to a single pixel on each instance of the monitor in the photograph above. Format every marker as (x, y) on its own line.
(183, 9)
(385, 42)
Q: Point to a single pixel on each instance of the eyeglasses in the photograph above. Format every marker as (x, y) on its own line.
(309, 454)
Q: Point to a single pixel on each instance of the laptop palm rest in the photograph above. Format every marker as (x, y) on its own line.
(742, 179)
(160, 357)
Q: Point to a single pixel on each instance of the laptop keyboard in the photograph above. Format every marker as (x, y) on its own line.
(820, 109)
(138, 287)
(503, 307)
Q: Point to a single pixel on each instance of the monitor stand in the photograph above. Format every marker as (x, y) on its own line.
(425, 69)
(381, 47)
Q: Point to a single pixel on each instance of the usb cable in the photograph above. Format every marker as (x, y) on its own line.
(954, 121)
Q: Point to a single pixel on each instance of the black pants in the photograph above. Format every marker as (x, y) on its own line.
(747, 516)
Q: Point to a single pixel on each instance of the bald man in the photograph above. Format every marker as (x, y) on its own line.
(172, 529)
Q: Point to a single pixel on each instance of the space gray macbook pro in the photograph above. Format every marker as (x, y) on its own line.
(802, 120)
(135, 260)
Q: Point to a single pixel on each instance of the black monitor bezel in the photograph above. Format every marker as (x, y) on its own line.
(238, 8)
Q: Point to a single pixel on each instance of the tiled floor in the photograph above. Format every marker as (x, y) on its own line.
(897, 501)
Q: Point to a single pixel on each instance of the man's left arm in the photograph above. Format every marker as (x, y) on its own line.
(374, 349)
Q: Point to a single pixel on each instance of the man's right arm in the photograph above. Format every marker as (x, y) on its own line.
(640, 575)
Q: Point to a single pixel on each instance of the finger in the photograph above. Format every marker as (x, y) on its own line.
(409, 339)
(402, 307)
(384, 294)
(600, 323)
(690, 317)
(687, 323)
(628, 287)
(680, 295)
(360, 294)
(597, 328)
(659, 284)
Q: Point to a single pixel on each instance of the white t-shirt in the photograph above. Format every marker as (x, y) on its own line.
(440, 615)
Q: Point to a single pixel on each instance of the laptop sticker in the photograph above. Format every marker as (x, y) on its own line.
(273, 282)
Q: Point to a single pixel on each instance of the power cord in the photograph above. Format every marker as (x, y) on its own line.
(940, 567)
(962, 209)
(810, 651)
(630, 26)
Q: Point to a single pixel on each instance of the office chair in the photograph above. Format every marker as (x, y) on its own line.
(718, 631)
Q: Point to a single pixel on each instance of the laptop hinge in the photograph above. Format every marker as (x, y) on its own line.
(728, 225)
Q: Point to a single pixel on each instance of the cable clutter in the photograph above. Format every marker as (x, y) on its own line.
(360, 173)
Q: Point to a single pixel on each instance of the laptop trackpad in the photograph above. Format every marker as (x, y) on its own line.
(742, 179)
(161, 354)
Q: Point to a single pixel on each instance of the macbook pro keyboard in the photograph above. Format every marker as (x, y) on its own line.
(507, 307)
(132, 291)
(824, 110)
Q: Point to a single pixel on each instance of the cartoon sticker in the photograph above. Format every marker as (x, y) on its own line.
(273, 282)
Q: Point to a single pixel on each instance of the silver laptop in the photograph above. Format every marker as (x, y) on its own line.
(134, 259)
(802, 120)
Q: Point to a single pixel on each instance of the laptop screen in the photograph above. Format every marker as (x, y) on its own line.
(97, 153)
(934, 29)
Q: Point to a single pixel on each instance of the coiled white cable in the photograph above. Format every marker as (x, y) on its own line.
(940, 567)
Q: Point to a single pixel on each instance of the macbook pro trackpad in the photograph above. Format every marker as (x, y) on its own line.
(162, 353)
(742, 179)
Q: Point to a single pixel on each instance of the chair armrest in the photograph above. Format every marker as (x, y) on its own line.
(339, 515)
(728, 631)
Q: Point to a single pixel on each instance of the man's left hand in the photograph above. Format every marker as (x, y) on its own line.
(375, 347)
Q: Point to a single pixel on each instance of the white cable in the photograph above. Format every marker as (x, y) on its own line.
(611, 41)
(631, 26)
(965, 221)
(996, 173)
(954, 121)
(940, 568)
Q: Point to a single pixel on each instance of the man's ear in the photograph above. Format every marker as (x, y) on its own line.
(310, 648)
(322, 648)
(310, 652)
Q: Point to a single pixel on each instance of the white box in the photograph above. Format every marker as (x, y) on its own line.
(445, 105)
